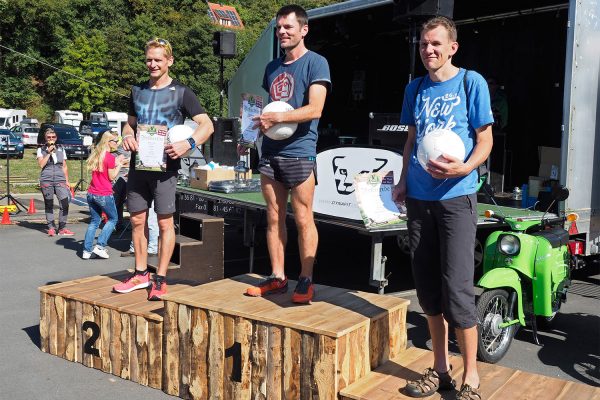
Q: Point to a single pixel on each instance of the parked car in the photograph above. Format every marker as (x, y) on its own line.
(28, 134)
(92, 128)
(14, 147)
(68, 138)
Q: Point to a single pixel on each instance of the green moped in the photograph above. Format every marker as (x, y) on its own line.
(526, 274)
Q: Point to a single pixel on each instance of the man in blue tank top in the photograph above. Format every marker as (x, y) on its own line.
(441, 203)
(300, 78)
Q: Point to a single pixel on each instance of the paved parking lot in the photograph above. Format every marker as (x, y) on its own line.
(30, 259)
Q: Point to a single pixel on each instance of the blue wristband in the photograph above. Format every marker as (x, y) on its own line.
(192, 142)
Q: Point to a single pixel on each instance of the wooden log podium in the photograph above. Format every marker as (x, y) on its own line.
(219, 343)
(122, 334)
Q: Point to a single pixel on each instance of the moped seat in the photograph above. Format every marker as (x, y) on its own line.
(557, 236)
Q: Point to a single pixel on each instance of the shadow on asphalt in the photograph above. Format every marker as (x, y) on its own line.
(36, 226)
(582, 361)
(34, 334)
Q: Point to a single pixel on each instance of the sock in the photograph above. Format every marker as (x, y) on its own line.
(141, 272)
(159, 278)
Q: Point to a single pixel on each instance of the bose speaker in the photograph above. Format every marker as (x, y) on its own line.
(422, 9)
(223, 142)
(224, 44)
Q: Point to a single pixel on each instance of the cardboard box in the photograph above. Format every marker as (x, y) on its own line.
(202, 177)
(549, 162)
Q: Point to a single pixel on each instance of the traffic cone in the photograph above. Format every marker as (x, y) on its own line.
(31, 209)
(72, 193)
(5, 217)
(104, 217)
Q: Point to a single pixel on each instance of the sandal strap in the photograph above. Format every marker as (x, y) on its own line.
(467, 392)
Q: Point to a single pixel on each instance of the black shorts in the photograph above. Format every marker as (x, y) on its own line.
(442, 243)
(290, 171)
(143, 187)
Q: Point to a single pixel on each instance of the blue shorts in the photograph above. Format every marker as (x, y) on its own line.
(442, 242)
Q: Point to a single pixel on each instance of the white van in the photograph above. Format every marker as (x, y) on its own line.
(10, 117)
(68, 117)
(116, 120)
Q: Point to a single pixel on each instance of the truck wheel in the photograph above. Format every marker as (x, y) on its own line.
(492, 310)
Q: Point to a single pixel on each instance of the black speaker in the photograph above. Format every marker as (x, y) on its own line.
(223, 143)
(224, 44)
(422, 9)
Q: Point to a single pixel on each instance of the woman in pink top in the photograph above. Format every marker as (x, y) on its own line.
(104, 167)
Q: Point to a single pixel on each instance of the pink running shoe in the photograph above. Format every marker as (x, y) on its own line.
(51, 232)
(66, 232)
(133, 282)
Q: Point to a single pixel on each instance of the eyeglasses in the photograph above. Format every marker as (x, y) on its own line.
(50, 137)
(114, 140)
(161, 42)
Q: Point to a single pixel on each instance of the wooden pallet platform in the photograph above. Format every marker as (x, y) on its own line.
(220, 343)
(84, 321)
(497, 382)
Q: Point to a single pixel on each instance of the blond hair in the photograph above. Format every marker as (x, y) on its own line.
(445, 23)
(158, 43)
(95, 161)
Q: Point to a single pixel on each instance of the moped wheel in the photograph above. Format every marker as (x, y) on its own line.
(493, 341)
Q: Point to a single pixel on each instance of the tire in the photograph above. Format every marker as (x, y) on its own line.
(546, 322)
(492, 309)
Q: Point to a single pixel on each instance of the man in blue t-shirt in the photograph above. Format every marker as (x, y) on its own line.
(300, 78)
(442, 205)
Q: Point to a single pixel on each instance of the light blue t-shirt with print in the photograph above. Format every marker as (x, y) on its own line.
(443, 105)
(290, 83)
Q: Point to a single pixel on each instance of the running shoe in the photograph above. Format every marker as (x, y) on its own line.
(157, 290)
(133, 282)
(51, 232)
(66, 232)
(304, 291)
(86, 255)
(100, 251)
(271, 285)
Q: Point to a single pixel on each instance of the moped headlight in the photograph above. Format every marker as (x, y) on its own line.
(510, 245)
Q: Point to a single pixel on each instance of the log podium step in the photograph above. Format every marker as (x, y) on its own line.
(199, 249)
(122, 334)
(497, 382)
(222, 344)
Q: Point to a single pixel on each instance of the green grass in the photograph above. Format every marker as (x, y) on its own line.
(25, 173)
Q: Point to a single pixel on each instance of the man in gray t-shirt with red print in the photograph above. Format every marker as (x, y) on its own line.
(300, 78)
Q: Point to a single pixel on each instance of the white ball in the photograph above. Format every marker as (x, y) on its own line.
(282, 130)
(178, 133)
(438, 142)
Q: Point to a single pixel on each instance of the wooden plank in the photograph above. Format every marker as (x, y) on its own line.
(127, 342)
(170, 376)
(274, 363)
(78, 332)
(185, 355)
(243, 336)
(53, 329)
(115, 342)
(307, 385)
(324, 368)
(216, 354)
(87, 316)
(292, 342)
(155, 363)
(134, 365)
(258, 357)
(230, 357)
(44, 321)
(105, 331)
(59, 306)
(141, 349)
(199, 354)
(577, 391)
(70, 342)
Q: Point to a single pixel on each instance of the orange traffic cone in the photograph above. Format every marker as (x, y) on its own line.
(72, 193)
(104, 217)
(31, 209)
(5, 217)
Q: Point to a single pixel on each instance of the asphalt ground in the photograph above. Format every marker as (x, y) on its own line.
(29, 259)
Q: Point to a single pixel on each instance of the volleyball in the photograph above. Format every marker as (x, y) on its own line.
(438, 142)
(282, 130)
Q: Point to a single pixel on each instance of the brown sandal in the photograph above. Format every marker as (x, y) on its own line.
(467, 392)
(430, 382)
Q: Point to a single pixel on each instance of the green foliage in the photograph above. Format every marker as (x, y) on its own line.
(91, 51)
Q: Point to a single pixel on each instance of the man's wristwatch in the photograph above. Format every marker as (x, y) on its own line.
(192, 142)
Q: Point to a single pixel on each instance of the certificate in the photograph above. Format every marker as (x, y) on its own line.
(251, 107)
(374, 198)
(151, 154)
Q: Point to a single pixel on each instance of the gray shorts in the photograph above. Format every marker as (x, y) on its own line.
(442, 242)
(143, 187)
(290, 171)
